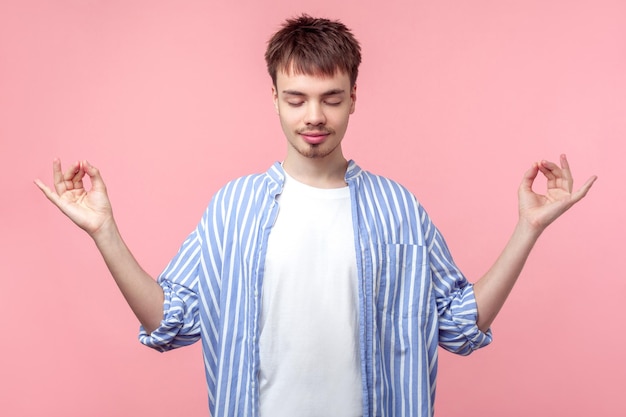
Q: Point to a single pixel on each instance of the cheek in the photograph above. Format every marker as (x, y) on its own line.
(289, 116)
(341, 120)
(287, 121)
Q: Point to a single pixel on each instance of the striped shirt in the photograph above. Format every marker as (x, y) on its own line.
(412, 297)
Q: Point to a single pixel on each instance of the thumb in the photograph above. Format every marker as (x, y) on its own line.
(94, 176)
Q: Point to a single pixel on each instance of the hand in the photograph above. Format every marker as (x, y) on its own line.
(89, 209)
(540, 210)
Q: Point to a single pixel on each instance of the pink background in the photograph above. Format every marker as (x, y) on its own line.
(171, 99)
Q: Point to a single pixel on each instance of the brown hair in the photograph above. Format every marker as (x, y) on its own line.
(315, 46)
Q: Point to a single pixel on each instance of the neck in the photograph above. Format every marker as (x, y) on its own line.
(326, 172)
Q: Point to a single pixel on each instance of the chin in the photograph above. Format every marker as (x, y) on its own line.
(316, 152)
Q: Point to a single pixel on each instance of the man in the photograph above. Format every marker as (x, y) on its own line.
(317, 288)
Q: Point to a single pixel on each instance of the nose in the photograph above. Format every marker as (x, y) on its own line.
(314, 114)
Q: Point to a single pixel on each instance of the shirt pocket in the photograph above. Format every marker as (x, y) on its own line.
(404, 285)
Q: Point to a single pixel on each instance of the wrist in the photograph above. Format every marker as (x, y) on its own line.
(107, 232)
(528, 230)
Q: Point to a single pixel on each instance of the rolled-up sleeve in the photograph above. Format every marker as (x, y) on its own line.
(181, 322)
(454, 294)
(458, 331)
(180, 325)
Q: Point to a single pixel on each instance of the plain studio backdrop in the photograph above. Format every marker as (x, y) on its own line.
(170, 100)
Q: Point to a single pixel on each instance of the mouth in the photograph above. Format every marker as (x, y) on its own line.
(314, 137)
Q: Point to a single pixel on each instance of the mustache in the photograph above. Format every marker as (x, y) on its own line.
(315, 129)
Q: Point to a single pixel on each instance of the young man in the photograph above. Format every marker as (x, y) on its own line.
(317, 288)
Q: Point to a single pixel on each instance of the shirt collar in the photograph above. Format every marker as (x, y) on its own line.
(277, 174)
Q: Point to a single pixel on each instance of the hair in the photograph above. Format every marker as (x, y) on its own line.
(313, 46)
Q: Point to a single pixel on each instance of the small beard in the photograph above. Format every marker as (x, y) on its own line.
(314, 151)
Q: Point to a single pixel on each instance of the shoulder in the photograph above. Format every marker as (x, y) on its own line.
(252, 184)
(382, 185)
(249, 192)
(388, 196)
(242, 183)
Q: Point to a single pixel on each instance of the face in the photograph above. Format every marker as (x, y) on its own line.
(314, 112)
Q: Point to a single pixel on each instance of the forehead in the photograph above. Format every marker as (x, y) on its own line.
(311, 83)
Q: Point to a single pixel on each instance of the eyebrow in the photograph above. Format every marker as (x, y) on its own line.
(332, 92)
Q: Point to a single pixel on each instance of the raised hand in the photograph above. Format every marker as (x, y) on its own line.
(541, 210)
(89, 209)
(536, 212)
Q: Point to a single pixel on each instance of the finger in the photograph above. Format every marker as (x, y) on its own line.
(71, 171)
(73, 176)
(94, 176)
(51, 195)
(567, 179)
(529, 178)
(79, 173)
(549, 170)
(582, 192)
(57, 175)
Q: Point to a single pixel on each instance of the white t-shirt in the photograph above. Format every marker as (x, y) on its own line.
(309, 350)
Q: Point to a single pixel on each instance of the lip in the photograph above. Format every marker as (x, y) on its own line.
(314, 138)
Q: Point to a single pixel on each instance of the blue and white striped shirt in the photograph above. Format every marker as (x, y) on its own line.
(412, 297)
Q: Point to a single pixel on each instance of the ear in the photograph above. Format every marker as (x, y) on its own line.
(275, 98)
(353, 98)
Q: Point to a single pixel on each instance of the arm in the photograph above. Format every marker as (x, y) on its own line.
(536, 212)
(91, 211)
